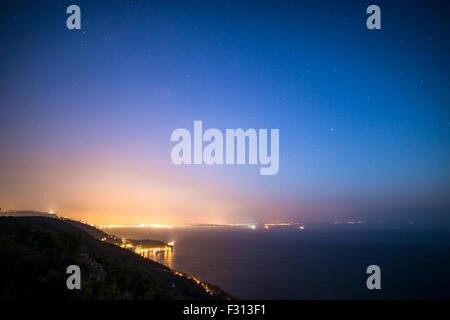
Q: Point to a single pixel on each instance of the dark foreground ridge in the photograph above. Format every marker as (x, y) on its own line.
(36, 251)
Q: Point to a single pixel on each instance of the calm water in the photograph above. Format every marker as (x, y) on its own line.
(309, 264)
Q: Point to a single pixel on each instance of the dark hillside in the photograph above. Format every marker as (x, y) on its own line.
(35, 252)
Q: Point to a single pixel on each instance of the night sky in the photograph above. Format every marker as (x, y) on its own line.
(86, 115)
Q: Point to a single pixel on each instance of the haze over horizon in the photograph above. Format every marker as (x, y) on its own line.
(86, 115)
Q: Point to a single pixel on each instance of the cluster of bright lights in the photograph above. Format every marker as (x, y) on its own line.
(284, 224)
(140, 225)
(142, 250)
(205, 286)
(163, 226)
(146, 251)
(349, 222)
(252, 226)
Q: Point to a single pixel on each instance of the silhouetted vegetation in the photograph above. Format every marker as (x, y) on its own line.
(35, 252)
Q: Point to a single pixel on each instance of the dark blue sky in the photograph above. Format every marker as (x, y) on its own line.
(363, 115)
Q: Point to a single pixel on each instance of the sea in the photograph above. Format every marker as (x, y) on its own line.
(321, 263)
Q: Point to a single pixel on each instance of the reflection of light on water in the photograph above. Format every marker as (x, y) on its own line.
(160, 255)
(163, 257)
